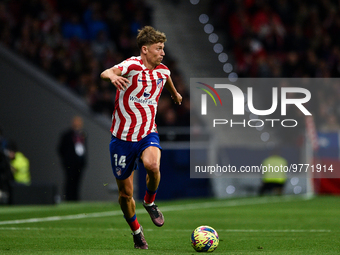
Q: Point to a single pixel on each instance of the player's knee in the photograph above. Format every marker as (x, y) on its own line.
(151, 167)
(125, 196)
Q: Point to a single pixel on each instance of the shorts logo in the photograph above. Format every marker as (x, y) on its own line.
(153, 143)
(118, 171)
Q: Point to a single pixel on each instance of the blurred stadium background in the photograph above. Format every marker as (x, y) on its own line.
(52, 53)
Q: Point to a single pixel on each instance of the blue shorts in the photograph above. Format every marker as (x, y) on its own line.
(125, 155)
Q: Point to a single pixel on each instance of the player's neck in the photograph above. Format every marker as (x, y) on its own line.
(147, 64)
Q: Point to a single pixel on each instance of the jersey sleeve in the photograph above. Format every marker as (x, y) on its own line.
(163, 69)
(123, 66)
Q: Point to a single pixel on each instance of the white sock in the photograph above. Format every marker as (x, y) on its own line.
(149, 204)
(137, 231)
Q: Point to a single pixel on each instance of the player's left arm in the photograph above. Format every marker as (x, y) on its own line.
(169, 85)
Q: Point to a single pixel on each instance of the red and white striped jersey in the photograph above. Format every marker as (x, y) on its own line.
(136, 106)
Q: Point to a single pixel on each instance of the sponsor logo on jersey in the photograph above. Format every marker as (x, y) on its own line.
(142, 101)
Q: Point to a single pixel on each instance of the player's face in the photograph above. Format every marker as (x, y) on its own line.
(155, 53)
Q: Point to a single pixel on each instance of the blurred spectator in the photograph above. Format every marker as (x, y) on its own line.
(6, 176)
(274, 179)
(94, 22)
(73, 154)
(20, 165)
(104, 104)
(101, 45)
(331, 125)
(3, 142)
(72, 28)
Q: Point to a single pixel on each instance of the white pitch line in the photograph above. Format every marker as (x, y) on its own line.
(66, 217)
(248, 230)
(185, 230)
(278, 230)
(215, 204)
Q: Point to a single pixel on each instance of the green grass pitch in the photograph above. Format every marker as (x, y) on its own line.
(265, 225)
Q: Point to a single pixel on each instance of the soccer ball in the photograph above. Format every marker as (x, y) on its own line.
(204, 239)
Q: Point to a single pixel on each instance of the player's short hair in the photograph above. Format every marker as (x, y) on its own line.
(148, 35)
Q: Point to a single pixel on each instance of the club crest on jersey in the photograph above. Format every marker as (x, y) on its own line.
(160, 82)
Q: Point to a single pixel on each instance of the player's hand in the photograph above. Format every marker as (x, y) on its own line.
(177, 98)
(120, 82)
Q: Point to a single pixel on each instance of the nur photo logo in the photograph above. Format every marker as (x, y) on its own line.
(288, 97)
(204, 97)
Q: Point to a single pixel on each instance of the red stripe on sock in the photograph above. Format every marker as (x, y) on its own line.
(134, 225)
(149, 198)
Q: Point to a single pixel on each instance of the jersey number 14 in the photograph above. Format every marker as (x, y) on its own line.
(121, 161)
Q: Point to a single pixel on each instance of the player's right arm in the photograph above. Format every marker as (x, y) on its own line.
(114, 75)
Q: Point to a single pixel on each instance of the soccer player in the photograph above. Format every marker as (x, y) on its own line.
(139, 82)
